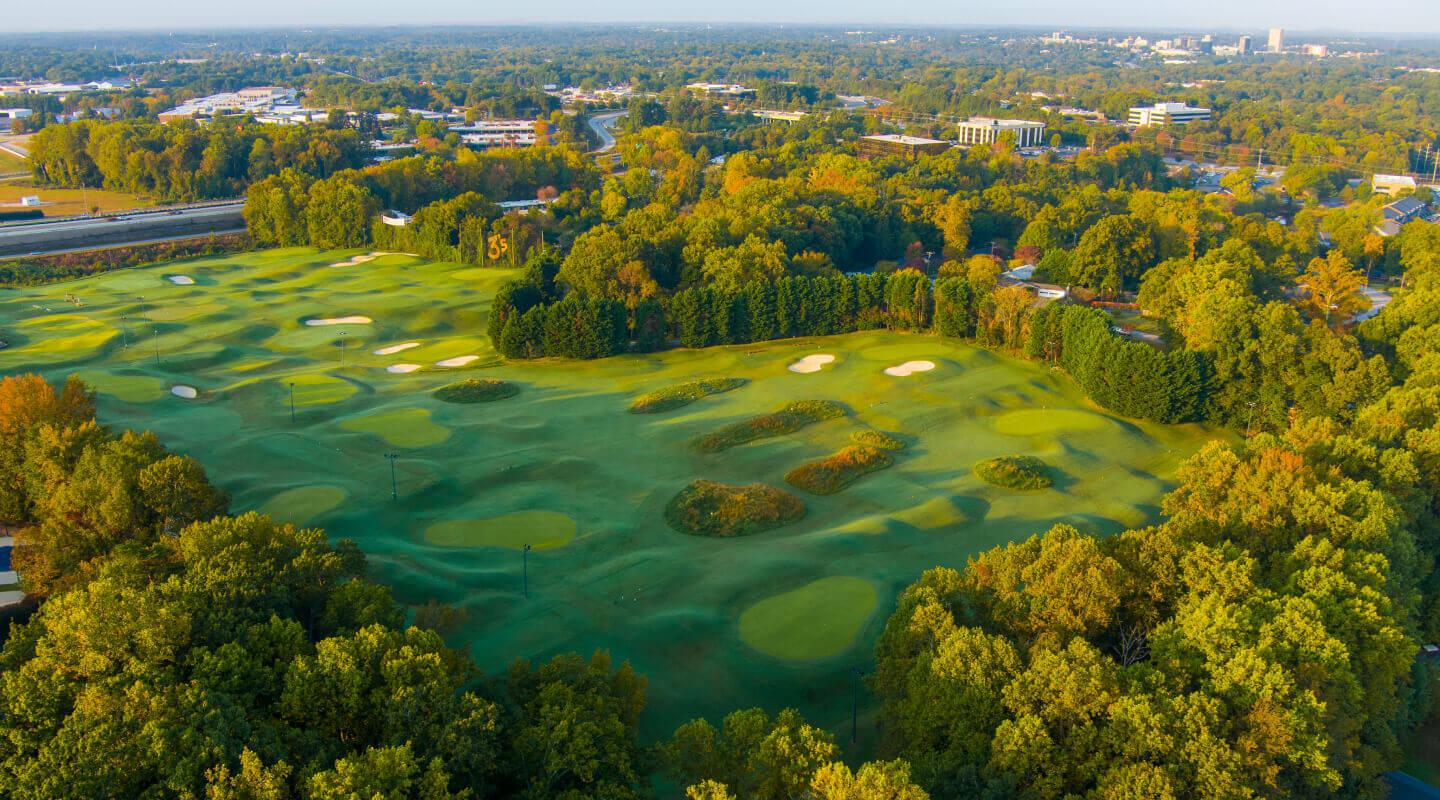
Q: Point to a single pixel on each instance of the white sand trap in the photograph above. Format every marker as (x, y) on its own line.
(457, 361)
(360, 259)
(187, 392)
(182, 280)
(402, 368)
(811, 363)
(396, 348)
(355, 320)
(909, 367)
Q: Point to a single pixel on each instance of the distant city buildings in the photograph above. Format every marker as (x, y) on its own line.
(274, 101)
(1277, 40)
(61, 88)
(986, 130)
(1242, 47)
(727, 91)
(498, 133)
(1167, 114)
(895, 144)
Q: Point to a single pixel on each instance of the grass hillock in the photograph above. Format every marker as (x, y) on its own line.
(832, 474)
(683, 394)
(709, 508)
(789, 419)
(477, 390)
(1015, 472)
(880, 439)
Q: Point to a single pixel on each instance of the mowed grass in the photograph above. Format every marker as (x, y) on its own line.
(818, 620)
(542, 530)
(568, 445)
(68, 202)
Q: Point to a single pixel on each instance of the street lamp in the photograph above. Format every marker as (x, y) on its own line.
(525, 570)
(394, 488)
(855, 703)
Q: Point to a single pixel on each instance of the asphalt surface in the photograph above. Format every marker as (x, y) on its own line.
(601, 124)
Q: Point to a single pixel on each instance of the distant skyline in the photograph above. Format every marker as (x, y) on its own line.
(1375, 16)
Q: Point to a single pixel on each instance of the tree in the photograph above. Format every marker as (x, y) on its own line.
(339, 213)
(1332, 290)
(1113, 254)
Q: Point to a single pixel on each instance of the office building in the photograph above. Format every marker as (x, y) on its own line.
(986, 130)
(1167, 114)
(1243, 46)
(895, 144)
(1381, 183)
(1277, 40)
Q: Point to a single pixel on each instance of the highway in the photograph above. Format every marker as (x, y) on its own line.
(133, 227)
(601, 124)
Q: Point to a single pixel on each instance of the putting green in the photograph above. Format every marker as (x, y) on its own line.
(1036, 421)
(818, 620)
(130, 388)
(299, 506)
(542, 530)
(402, 427)
(313, 390)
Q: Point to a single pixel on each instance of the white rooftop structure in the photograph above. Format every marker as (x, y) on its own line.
(253, 100)
(1166, 114)
(986, 130)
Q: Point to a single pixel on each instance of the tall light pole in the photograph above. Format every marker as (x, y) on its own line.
(394, 487)
(125, 332)
(342, 348)
(292, 402)
(156, 339)
(1249, 418)
(855, 704)
(525, 570)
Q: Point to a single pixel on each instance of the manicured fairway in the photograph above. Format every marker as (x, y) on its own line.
(818, 620)
(774, 619)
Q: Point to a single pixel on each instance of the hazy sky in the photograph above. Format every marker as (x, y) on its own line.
(1409, 16)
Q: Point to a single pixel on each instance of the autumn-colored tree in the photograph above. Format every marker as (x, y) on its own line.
(1332, 290)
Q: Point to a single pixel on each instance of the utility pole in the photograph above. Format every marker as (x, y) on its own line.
(525, 570)
(394, 490)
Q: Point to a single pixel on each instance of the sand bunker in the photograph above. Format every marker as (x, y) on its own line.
(187, 392)
(811, 363)
(182, 280)
(402, 368)
(909, 367)
(457, 361)
(352, 320)
(396, 348)
(370, 256)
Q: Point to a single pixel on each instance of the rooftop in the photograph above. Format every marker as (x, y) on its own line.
(900, 138)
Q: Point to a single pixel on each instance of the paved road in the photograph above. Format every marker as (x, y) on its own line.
(141, 226)
(601, 124)
(111, 245)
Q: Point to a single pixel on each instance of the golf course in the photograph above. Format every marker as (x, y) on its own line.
(304, 380)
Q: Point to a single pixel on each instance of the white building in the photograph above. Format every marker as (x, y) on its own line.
(1381, 183)
(1166, 114)
(15, 113)
(497, 133)
(1277, 40)
(986, 130)
(256, 100)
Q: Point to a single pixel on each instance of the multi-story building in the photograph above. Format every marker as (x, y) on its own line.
(986, 130)
(895, 144)
(1277, 40)
(1166, 114)
(1243, 46)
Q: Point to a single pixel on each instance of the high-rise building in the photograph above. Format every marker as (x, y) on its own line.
(1243, 46)
(1277, 40)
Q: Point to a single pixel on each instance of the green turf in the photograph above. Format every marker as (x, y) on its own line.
(818, 620)
(567, 444)
(542, 530)
(299, 506)
(402, 427)
(130, 388)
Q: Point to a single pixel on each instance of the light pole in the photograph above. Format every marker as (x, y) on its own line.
(525, 570)
(342, 348)
(1249, 418)
(855, 704)
(292, 402)
(394, 487)
(125, 332)
(156, 339)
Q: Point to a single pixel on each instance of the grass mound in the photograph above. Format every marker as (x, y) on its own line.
(708, 508)
(789, 419)
(477, 390)
(1015, 472)
(682, 394)
(299, 506)
(830, 475)
(880, 439)
(818, 620)
(402, 427)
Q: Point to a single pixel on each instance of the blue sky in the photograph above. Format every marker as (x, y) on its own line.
(1407, 16)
